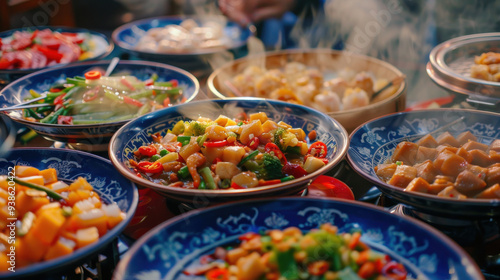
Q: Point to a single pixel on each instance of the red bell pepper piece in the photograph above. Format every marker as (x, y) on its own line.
(65, 120)
(150, 167)
(236, 186)
(132, 101)
(294, 169)
(50, 54)
(214, 144)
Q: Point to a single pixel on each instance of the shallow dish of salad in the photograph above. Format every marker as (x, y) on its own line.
(82, 107)
(228, 149)
(26, 50)
(295, 238)
(68, 206)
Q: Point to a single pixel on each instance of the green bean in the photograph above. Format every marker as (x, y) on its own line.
(49, 192)
(144, 109)
(92, 116)
(108, 120)
(142, 94)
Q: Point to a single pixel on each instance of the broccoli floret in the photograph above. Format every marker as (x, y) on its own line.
(278, 137)
(196, 128)
(267, 168)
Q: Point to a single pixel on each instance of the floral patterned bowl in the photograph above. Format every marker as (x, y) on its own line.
(165, 251)
(93, 137)
(70, 165)
(374, 142)
(138, 133)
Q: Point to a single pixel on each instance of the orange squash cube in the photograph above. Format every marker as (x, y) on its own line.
(47, 225)
(25, 203)
(86, 236)
(80, 184)
(49, 175)
(26, 171)
(61, 248)
(31, 247)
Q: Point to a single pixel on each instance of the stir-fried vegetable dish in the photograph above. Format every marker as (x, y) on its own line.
(226, 153)
(53, 218)
(322, 253)
(97, 99)
(41, 48)
(447, 166)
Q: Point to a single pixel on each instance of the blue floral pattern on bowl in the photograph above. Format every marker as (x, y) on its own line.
(96, 134)
(374, 142)
(168, 249)
(138, 133)
(99, 172)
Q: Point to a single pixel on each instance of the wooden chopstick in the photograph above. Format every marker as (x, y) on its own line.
(396, 81)
(19, 107)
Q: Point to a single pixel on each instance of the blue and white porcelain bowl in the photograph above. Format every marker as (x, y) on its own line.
(196, 61)
(93, 137)
(99, 172)
(165, 251)
(7, 135)
(102, 47)
(374, 142)
(138, 133)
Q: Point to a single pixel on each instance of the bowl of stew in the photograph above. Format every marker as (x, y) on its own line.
(210, 151)
(438, 161)
(83, 108)
(258, 239)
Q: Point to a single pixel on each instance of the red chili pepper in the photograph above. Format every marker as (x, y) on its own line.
(91, 94)
(174, 83)
(60, 99)
(269, 182)
(166, 102)
(272, 148)
(148, 151)
(64, 119)
(126, 83)
(149, 82)
(55, 89)
(93, 75)
(254, 143)
(217, 274)
(214, 144)
(394, 270)
(318, 149)
(5, 63)
(50, 54)
(294, 169)
(132, 101)
(150, 167)
(236, 186)
(216, 160)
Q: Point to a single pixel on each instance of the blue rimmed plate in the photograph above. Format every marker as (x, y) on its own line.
(374, 142)
(7, 135)
(138, 133)
(165, 251)
(70, 165)
(194, 60)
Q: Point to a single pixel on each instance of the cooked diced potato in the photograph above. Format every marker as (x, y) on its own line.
(403, 175)
(258, 116)
(246, 180)
(211, 153)
(216, 133)
(447, 138)
(385, 171)
(250, 130)
(406, 152)
(250, 267)
(425, 153)
(466, 136)
(480, 158)
(451, 192)
(449, 163)
(418, 185)
(427, 171)
(428, 141)
(473, 145)
(469, 183)
(312, 164)
(189, 149)
(268, 126)
(234, 254)
(233, 154)
(226, 170)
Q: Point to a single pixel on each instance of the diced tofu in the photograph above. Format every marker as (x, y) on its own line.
(447, 138)
(427, 171)
(405, 152)
(385, 171)
(425, 153)
(449, 163)
(491, 192)
(466, 136)
(473, 145)
(480, 158)
(418, 185)
(495, 145)
(451, 192)
(427, 141)
(403, 175)
(469, 183)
